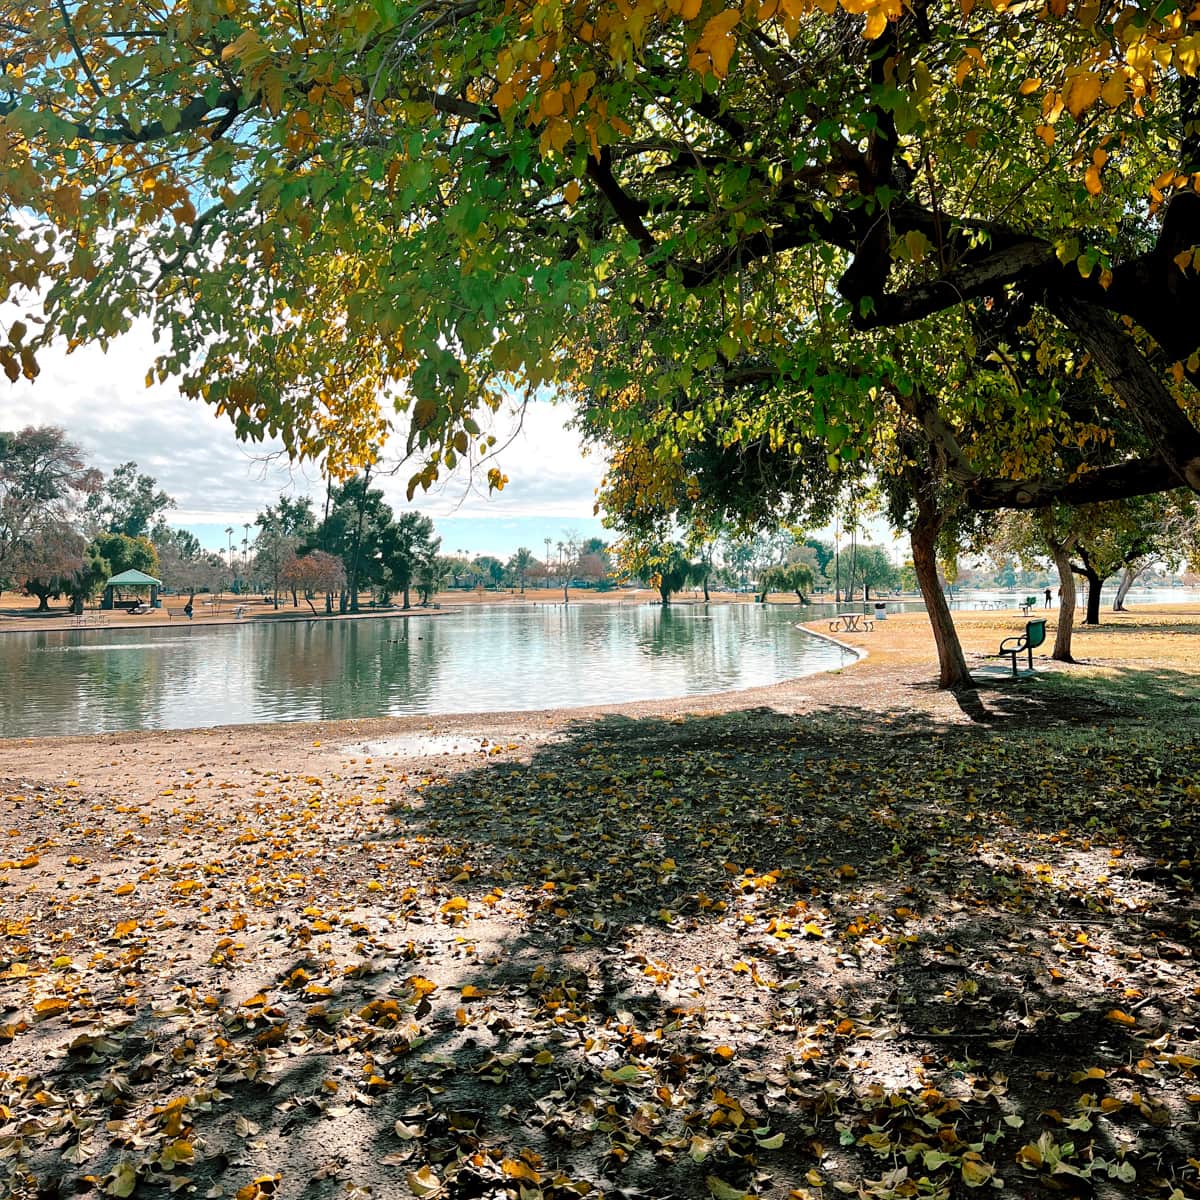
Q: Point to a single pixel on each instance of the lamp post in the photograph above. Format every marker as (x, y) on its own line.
(837, 562)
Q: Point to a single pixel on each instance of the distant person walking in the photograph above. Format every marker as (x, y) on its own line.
(1048, 598)
(187, 608)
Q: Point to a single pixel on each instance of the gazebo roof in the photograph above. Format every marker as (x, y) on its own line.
(132, 577)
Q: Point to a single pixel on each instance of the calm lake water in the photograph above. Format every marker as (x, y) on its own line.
(476, 660)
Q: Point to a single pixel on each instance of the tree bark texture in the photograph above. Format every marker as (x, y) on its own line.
(1066, 605)
(1127, 578)
(952, 666)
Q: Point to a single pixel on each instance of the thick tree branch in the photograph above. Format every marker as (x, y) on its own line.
(629, 209)
(1137, 384)
(194, 115)
(1138, 477)
(967, 282)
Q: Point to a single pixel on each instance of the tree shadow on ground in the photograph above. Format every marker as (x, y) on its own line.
(708, 956)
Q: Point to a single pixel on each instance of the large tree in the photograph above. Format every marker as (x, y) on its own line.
(124, 553)
(408, 543)
(43, 484)
(329, 201)
(51, 556)
(130, 502)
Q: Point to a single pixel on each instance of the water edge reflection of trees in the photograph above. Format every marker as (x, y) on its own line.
(72, 682)
(324, 670)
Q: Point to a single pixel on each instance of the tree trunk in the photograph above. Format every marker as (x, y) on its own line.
(1095, 583)
(666, 596)
(407, 603)
(953, 673)
(801, 596)
(1127, 578)
(1066, 604)
(1092, 613)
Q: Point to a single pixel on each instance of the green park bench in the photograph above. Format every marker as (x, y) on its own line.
(1029, 604)
(1034, 636)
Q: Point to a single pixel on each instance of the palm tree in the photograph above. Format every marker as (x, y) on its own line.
(521, 562)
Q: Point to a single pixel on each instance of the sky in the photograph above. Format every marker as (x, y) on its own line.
(219, 483)
(100, 398)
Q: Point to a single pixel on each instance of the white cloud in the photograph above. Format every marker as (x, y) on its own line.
(100, 398)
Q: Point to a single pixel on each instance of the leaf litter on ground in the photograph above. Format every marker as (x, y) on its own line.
(738, 955)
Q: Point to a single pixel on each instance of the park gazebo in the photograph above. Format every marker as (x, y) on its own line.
(131, 579)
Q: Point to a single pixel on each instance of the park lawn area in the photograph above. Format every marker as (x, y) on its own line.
(845, 936)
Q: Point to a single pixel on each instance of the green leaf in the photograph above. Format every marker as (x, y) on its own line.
(724, 1191)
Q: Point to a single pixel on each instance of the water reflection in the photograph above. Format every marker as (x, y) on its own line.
(472, 661)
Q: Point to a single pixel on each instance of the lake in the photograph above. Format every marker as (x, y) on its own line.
(475, 660)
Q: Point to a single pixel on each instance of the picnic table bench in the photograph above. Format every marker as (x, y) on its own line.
(1027, 642)
(851, 622)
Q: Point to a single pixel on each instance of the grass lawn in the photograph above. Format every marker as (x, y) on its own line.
(847, 937)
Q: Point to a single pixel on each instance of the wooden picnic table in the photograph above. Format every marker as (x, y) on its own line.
(851, 622)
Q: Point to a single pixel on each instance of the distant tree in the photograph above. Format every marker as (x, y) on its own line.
(739, 556)
(672, 573)
(314, 573)
(43, 484)
(592, 567)
(293, 515)
(86, 582)
(274, 547)
(519, 566)
(175, 543)
(207, 571)
(822, 552)
(458, 570)
(407, 543)
(490, 569)
(432, 574)
(875, 569)
(129, 503)
(795, 577)
(51, 555)
(355, 530)
(124, 553)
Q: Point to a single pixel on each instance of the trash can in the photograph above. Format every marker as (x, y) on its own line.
(880, 610)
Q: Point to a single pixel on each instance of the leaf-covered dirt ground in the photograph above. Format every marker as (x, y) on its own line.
(858, 939)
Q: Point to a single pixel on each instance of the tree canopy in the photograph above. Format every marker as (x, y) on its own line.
(800, 224)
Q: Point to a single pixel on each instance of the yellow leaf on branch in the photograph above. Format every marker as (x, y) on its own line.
(1081, 92)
